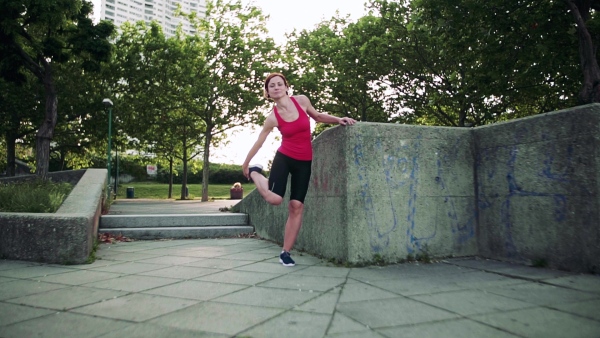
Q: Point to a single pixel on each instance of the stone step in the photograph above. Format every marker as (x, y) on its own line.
(173, 220)
(180, 232)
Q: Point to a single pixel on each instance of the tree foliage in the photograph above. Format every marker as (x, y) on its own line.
(20, 106)
(492, 60)
(153, 80)
(455, 63)
(331, 65)
(586, 19)
(238, 54)
(35, 35)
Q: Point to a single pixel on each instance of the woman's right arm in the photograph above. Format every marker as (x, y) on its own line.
(270, 123)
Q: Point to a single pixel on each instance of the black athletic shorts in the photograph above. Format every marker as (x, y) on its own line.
(284, 165)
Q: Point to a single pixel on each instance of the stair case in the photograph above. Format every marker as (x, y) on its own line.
(176, 226)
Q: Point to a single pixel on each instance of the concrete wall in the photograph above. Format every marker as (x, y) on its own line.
(65, 237)
(409, 191)
(537, 185)
(524, 190)
(381, 189)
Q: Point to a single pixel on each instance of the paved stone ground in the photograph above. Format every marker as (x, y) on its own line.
(237, 288)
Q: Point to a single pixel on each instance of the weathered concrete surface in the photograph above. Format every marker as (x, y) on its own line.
(236, 287)
(537, 184)
(65, 237)
(525, 190)
(386, 190)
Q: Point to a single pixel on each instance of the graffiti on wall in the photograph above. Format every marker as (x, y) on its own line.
(400, 171)
(463, 229)
(488, 160)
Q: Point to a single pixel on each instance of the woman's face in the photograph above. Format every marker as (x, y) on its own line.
(276, 87)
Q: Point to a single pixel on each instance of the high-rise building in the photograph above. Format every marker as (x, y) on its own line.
(162, 11)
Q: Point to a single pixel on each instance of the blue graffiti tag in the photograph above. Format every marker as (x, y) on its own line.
(462, 232)
(515, 190)
(380, 238)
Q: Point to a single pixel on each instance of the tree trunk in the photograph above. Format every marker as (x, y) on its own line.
(206, 159)
(63, 160)
(46, 130)
(185, 170)
(590, 91)
(170, 177)
(10, 154)
(12, 134)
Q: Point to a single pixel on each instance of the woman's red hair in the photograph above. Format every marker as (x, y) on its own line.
(269, 78)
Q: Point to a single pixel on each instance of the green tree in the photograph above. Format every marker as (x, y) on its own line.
(82, 124)
(37, 35)
(152, 78)
(470, 62)
(332, 66)
(585, 15)
(227, 92)
(19, 111)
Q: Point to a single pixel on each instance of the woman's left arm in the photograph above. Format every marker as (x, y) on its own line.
(322, 117)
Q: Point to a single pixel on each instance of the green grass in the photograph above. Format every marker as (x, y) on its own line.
(33, 196)
(47, 197)
(153, 190)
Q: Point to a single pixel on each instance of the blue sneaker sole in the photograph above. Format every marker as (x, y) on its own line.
(289, 264)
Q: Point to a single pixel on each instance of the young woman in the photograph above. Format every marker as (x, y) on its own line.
(294, 156)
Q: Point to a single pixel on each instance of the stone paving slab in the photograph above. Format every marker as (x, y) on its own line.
(235, 287)
(79, 277)
(147, 330)
(19, 313)
(20, 288)
(268, 297)
(181, 272)
(465, 328)
(196, 290)
(542, 322)
(62, 324)
(579, 282)
(324, 303)
(589, 308)
(292, 324)
(535, 293)
(471, 302)
(239, 277)
(136, 307)
(67, 298)
(230, 319)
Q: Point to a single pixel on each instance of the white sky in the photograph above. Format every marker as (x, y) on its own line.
(284, 17)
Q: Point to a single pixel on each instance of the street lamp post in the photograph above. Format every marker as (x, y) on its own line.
(108, 104)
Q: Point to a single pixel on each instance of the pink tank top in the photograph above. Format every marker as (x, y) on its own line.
(296, 135)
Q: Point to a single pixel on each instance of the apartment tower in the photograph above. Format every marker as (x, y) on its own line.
(162, 11)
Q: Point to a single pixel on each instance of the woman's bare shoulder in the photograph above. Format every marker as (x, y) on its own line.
(301, 98)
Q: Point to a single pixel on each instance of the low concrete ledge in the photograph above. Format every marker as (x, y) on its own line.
(65, 237)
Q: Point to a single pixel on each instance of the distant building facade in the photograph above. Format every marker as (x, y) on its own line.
(162, 11)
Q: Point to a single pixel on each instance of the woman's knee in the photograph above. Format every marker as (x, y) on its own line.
(295, 206)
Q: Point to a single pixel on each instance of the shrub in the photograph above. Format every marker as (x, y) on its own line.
(33, 196)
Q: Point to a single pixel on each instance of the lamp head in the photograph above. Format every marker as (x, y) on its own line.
(107, 102)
